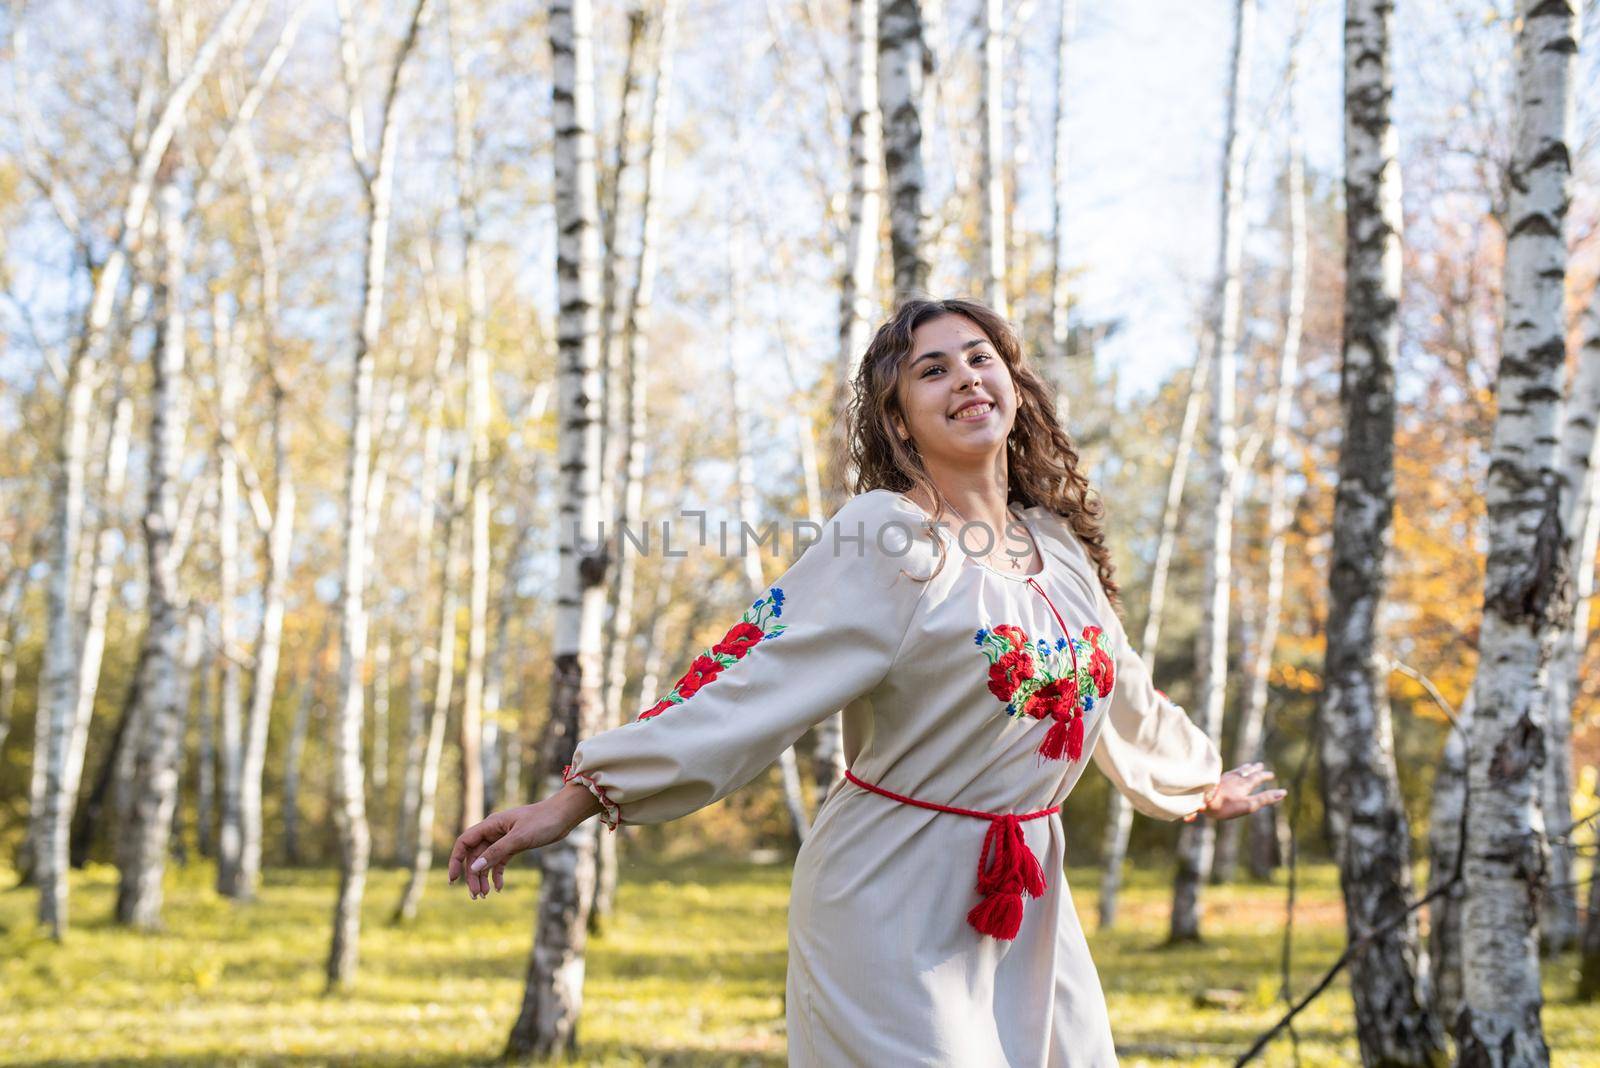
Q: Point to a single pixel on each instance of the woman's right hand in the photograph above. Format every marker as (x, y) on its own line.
(487, 845)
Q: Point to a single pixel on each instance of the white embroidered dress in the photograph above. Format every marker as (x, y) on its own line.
(884, 966)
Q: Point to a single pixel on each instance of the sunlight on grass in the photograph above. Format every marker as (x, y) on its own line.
(690, 972)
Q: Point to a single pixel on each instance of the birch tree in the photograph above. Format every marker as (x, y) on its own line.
(546, 1024)
(1448, 807)
(294, 750)
(1247, 741)
(276, 527)
(902, 56)
(991, 183)
(163, 684)
(1580, 458)
(613, 444)
(858, 298)
(1570, 652)
(1364, 818)
(630, 497)
(420, 847)
(478, 372)
(1066, 17)
(417, 729)
(377, 182)
(1196, 840)
(231, 706)
(1527, 582)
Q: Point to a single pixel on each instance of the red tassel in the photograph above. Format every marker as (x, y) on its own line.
(1032, 873)
(1007, 869)
(998, 915)
(1054, 746)
(1075, 738)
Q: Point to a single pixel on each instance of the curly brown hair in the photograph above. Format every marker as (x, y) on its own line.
(1041, 460)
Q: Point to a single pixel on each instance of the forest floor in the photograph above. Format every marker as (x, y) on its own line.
(690, 972)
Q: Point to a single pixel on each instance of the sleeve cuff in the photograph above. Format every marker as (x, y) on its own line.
(610, 813)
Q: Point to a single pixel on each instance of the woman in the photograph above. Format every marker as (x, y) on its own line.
(929, 921)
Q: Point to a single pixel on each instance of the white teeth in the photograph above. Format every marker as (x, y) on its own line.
(977, 411)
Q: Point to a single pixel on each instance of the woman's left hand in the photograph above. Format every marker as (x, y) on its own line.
(1232, 797)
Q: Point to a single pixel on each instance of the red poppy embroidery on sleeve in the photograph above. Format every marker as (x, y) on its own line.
(1060, 682)
(758, 625)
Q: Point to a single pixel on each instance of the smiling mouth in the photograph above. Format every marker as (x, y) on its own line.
(974, 411)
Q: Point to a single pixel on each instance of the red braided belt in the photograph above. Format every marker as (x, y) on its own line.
(1006, 866)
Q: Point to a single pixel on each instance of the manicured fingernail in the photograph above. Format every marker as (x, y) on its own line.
(479, 864)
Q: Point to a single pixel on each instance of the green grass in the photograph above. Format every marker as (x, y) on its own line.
(690, 973)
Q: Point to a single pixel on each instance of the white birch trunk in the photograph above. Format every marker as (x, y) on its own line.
(263, 685)
(382, 658)
(1580, 458)
(420, 848)
(1365, 821)
(901, 53)
(502, 790)
(276, 523)
(473, 777)
(194, 643)
(1527, 584)
(416, 686)
(635, 333)
(294, 754)
(107, 540)
(1018, 243)
(206, 756)
(1060, 373)
(1247, 743)
(553, 996)
(1448, 807)
(1195, 841)
(8, 648)
(858, 297)
(230, 839)
(991, 181)
(163, 696)
(349, 800)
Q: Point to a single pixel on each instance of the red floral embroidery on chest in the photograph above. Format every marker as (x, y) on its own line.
(1039, 679)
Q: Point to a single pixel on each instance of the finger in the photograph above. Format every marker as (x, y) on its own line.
(500, 876)
(1261, 776)
(1268, 797)
(457, 852)
(474, 879)
(480, 833)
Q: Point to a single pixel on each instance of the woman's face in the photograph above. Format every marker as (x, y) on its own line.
(956, 393)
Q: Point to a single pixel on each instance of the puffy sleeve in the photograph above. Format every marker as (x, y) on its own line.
(822, 634)
(1149, 748)
(1159, 759)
